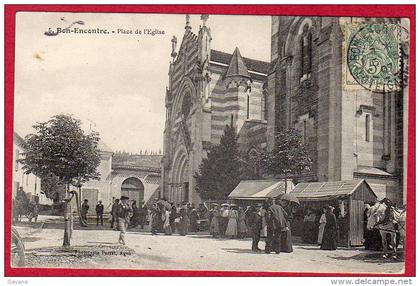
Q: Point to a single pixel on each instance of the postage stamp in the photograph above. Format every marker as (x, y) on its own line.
(375, 56)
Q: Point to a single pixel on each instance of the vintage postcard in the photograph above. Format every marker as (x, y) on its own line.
(214, 143)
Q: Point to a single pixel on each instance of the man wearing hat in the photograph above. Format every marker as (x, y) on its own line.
(99, 213)
(255, 225)
(114, 212)
(85, 209)
(123, 217)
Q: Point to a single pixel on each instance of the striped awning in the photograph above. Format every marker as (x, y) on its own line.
(259, 189)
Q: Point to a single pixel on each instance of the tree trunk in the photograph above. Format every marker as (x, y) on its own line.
(71, 220)
(67, 214)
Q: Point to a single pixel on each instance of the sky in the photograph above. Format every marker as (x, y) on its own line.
(114, 83)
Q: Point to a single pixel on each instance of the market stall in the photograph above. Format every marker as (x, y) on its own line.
(248, 191)
(348, 197)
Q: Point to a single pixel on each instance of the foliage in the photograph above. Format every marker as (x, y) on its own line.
(220, 172)
(61, 151)
(51, 185)
(289, 156)
(250, 166)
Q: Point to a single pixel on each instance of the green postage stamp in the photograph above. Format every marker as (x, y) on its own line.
(375, 56)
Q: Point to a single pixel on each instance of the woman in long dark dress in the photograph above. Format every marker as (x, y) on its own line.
(329, 239)
(156, 219)
(184, 222)
(286, 235)
(276, 228)
(135, 219)
(172, 216)
(194, 220)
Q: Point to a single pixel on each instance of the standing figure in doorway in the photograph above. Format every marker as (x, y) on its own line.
(85, 209)
(99, 213)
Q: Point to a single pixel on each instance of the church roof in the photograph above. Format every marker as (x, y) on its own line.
(250, 64)
(237, 66)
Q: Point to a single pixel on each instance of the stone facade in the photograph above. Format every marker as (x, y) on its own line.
(137, 176)
(207, 90)
(351, 133)
(134, 175)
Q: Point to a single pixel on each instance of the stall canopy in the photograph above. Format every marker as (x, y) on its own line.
(359, 189)
(259, 189)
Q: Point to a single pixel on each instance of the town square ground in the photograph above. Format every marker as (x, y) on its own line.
(97, 247)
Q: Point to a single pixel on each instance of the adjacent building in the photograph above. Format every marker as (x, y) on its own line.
(136, 176)
(29, 183)
(99, 190)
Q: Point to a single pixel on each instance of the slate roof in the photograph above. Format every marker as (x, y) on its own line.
(237, 66)
(326, 189)
(251, 64)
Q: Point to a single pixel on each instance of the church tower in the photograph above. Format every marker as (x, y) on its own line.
(238, 86)
(207, 90)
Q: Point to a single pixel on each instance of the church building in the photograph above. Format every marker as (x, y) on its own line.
(351, 131)
(208, 89)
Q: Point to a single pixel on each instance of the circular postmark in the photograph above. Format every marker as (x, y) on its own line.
(375, 57)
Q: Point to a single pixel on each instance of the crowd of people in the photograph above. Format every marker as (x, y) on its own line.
(271, 219)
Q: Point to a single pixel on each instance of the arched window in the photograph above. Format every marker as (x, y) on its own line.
(253, 157)
(306, 51)
(186, 105)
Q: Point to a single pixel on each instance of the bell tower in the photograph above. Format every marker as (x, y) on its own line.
(238, 84)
